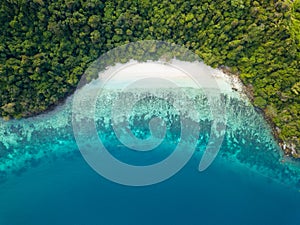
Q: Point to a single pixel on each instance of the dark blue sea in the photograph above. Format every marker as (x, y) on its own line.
(69, 192)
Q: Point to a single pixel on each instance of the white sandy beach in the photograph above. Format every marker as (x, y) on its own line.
(168, 75)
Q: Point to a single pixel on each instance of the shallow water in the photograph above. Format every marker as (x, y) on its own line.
(46, 181)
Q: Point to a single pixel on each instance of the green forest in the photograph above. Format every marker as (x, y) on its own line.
(45, 46)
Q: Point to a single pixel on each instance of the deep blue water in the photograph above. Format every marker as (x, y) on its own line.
(46, 181)
(69, 192)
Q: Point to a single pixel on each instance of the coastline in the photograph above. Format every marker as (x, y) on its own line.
(229, 83)
(52, 131)
(287, 148)
(179, 73)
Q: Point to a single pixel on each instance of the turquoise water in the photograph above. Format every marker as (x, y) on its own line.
(45, 180)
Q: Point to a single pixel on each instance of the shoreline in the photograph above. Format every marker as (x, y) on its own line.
(287, 148)
(180, 73)
(229, 82)
(243, 123)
